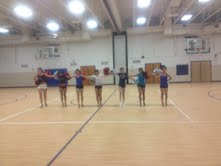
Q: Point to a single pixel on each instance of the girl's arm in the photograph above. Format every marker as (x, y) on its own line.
(36, 78)
(170, 78)
(49, 76)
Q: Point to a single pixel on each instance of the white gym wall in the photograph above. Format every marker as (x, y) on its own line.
(154, 47)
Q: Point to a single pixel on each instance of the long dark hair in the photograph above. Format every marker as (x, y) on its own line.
(143, 73)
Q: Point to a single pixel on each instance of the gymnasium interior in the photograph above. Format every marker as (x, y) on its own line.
(89, 35)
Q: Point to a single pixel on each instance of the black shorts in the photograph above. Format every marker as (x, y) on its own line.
(79, 86)
(122, 85)
(164, 87)
(98, 87)
(141, 86)
(63, 86)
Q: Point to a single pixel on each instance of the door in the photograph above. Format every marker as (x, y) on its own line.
(87, 70)
(201, 71)
(196, 71)
(206, 71)
(149, 68)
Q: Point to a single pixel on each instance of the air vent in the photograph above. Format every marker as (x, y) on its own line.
(136, 61)
(104, 63)
(24, 66)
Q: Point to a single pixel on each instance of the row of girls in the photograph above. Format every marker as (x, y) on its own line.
(140, 79)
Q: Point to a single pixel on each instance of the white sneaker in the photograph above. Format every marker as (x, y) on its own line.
(121, 104)
(124, 104)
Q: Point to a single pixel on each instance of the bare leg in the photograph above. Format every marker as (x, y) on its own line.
(45, 96)
(162, 96)
(97, 96)
(123, 95)
(166, 96)
(61, 95)
(40, 96)
(65, 96)
(100, 94)
(143, 93)
(82, 98)
(139, 90)
(120, 95)
(78, 97)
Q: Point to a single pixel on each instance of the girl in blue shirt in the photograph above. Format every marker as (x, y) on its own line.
(79, 87)
(164, 78)
(141, 84)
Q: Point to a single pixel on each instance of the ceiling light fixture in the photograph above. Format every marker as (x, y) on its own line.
(203, 1)
(143, 3)
(76, 7)
(23, 11)
(53, 26)
(186, 17)
(3, 30)
(92, 24)
(141, 20)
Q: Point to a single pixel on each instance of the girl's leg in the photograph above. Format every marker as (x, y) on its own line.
(82, 97)
(120, 96)
(100, 94)
(45, 96)
(97, 96)
(139, 91)
(65, 96)
(162, 96)
(123, 95)
(61, 95)
(166, 96)
(40, 91)
(78, 97)
(144, 97)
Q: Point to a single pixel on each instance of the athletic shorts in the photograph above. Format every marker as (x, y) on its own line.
(42, 86)
(98, 87)
(63, 87)
(164, 87)
(79, 86)
(141, 86)
(122, 85)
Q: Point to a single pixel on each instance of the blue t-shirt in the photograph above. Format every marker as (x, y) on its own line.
(122, 78)
(141, 80)
(163, 80)
(79, 80)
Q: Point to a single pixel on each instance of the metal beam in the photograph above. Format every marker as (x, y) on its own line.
(173, 4)
(109, 14)
(204, 8)
(211, 15)
(115, 13)
(151, 12)
(184, 11)
(94, 15)
(45, 5)
(168, 7)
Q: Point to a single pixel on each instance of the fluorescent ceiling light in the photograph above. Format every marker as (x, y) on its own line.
(23, 11)
(143, 3)
(141, 20)
(3, 30)
(186, 17)
(203, 1)
(76, 7)
(92, 24)
(53, 26)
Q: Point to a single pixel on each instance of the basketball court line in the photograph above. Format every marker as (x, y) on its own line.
(23, 112)
(179, 109)
(29, 109)
(79, 130)
(109, 122)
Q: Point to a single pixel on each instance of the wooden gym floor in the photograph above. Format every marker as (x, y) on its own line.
(186, 133)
